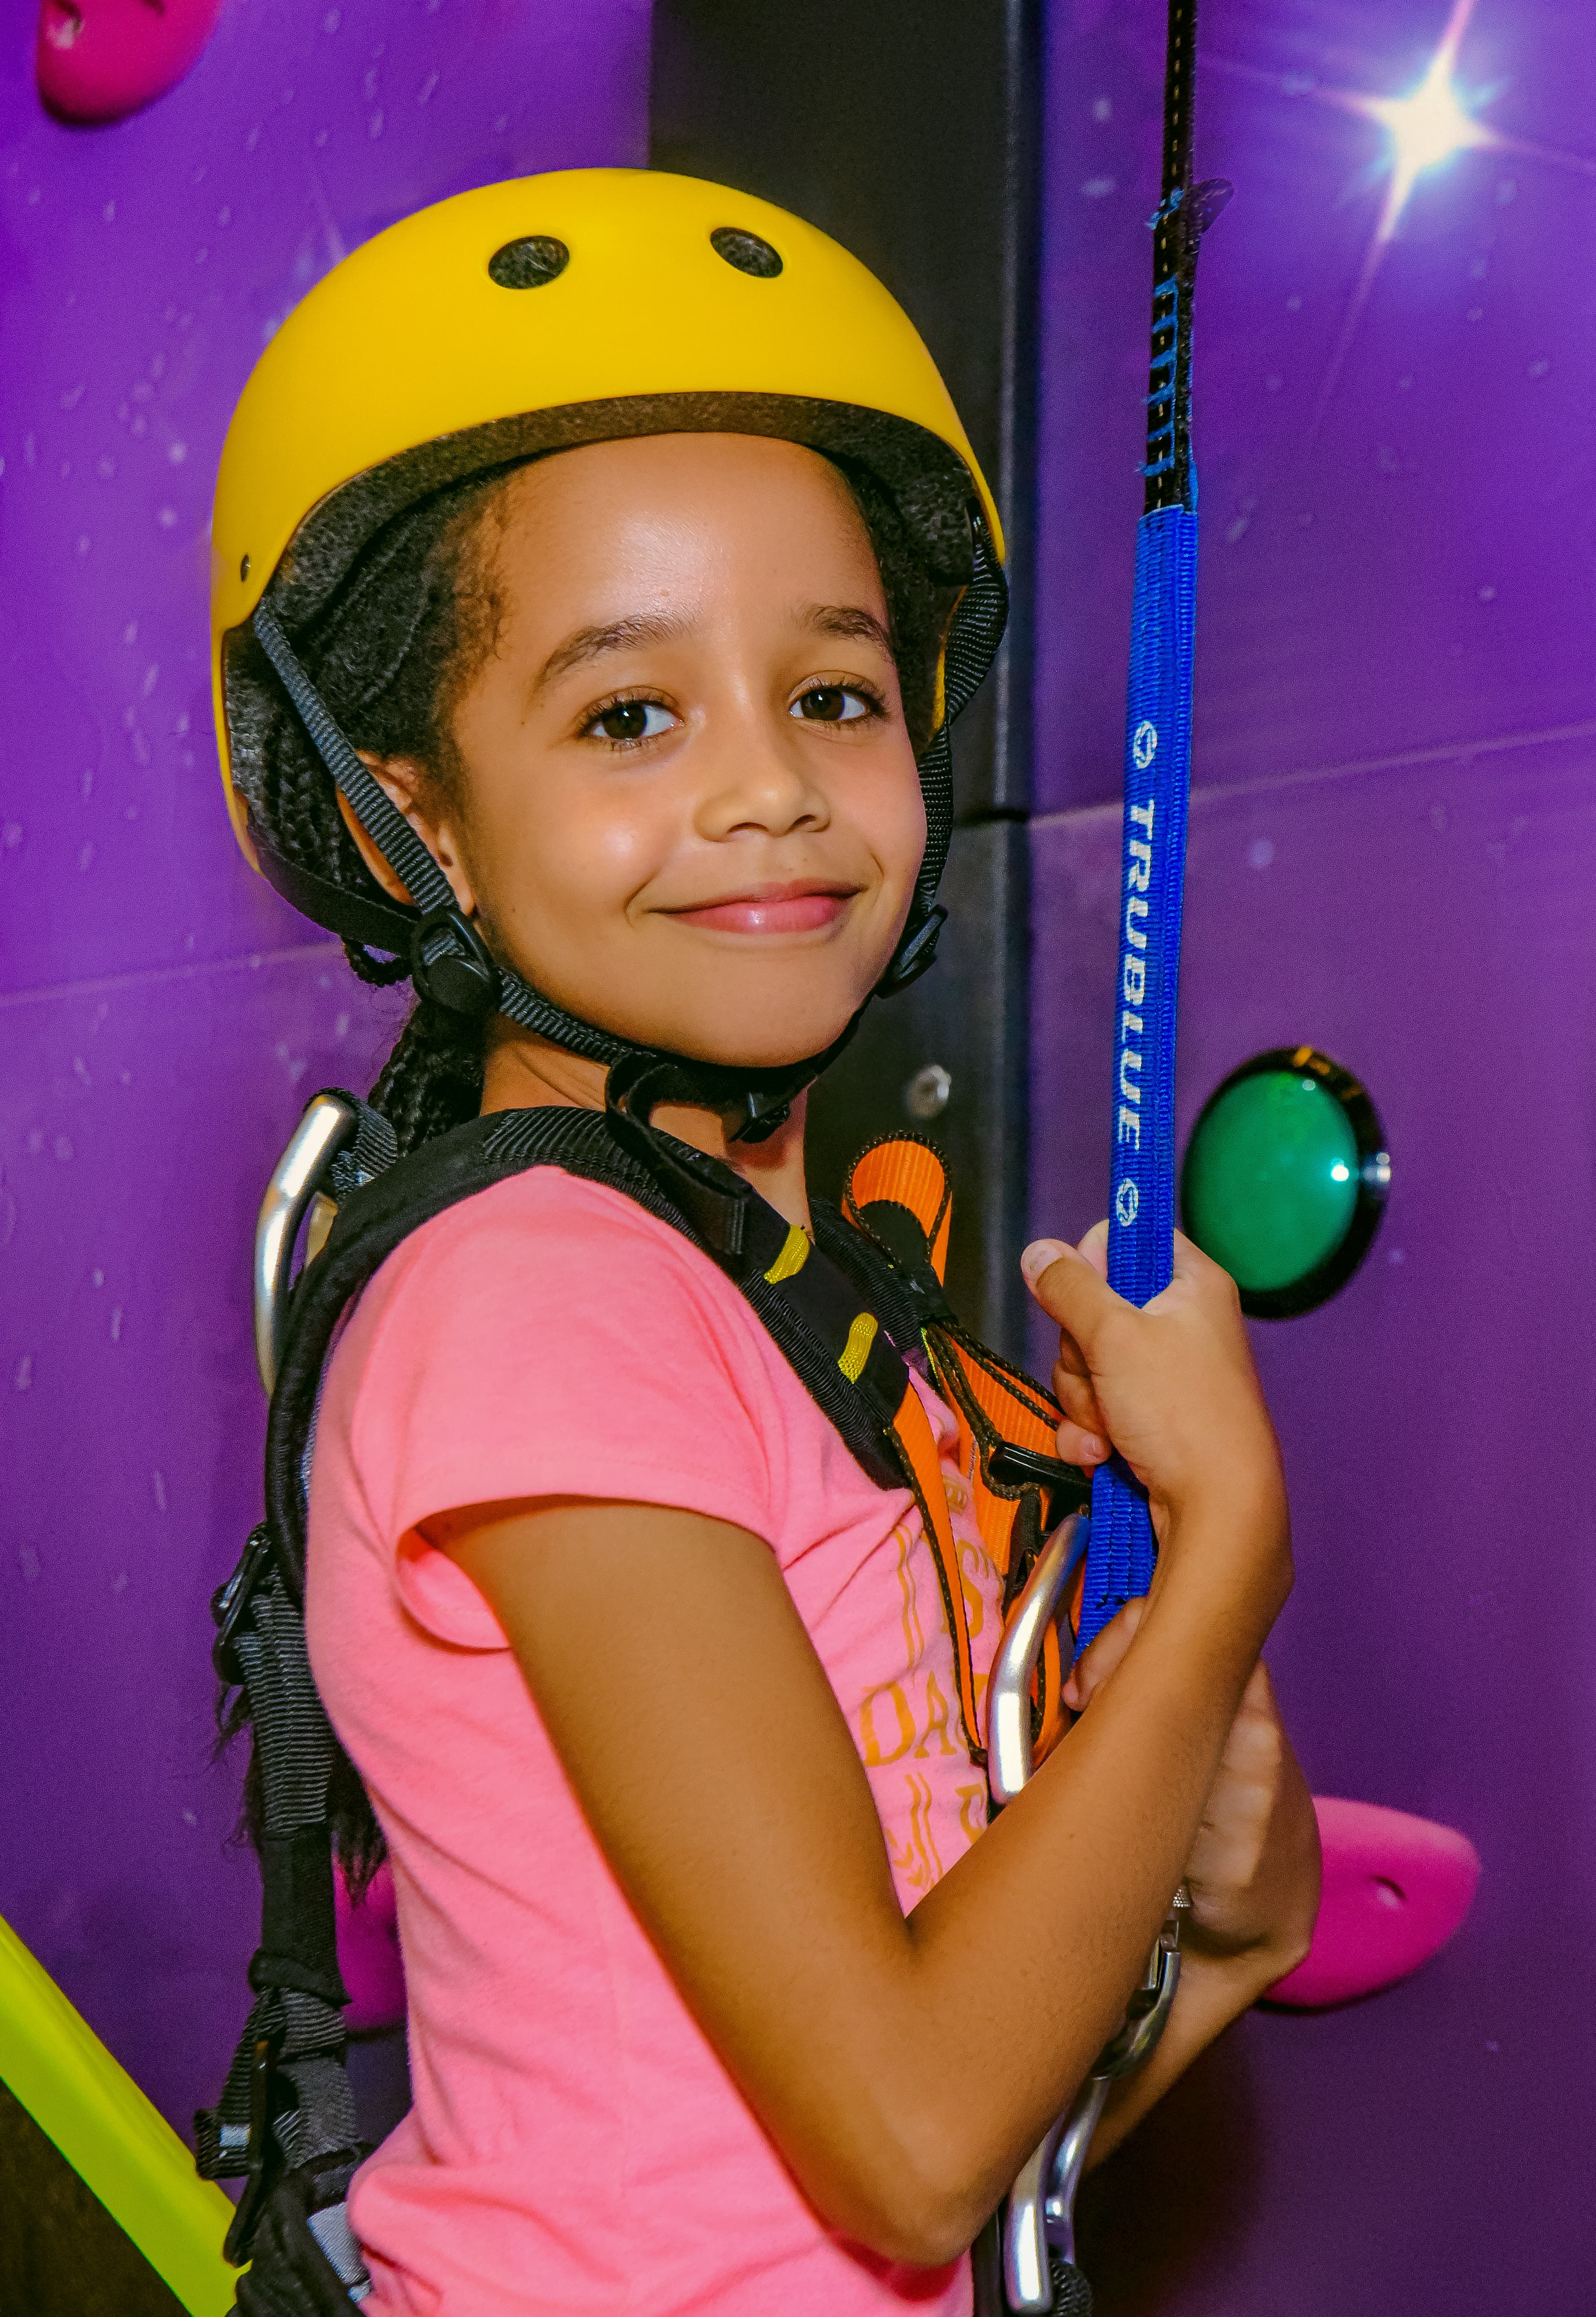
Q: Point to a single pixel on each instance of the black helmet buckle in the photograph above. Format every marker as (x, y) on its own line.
(450, 962)
(915, 955)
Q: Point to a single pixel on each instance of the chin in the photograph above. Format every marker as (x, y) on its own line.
(743, 1016)
(755, 1052)
(767, 1039)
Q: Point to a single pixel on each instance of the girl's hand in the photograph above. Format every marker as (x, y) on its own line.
(1253, 1872)
(1172, 1387)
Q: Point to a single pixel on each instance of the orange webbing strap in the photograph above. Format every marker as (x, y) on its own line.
(917, 1452)
(997, 1407)
(904, 1172)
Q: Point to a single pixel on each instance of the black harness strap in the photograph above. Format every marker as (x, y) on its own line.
(808, 1314)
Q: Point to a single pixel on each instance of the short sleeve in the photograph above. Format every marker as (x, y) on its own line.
(547, 1338)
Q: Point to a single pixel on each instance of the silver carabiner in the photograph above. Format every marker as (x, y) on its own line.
(1039, 2224)
(1008, 1690)
(326, 1127)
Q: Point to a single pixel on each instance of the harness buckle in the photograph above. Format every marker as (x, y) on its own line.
(230, 1602)
(259, 2151)
(760, 1114)
(914, 956)
(451, 964)
(1065, 1489)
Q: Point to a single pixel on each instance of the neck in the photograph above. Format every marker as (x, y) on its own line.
(523, 1072)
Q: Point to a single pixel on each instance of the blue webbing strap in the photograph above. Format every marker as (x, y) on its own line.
(1142, 1200)
(1121, 1552)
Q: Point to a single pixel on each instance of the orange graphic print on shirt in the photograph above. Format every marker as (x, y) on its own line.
(929, 1796)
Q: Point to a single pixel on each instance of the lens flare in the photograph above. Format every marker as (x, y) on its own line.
(1430, 125)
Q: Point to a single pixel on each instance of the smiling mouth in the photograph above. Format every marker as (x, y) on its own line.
(799, 909)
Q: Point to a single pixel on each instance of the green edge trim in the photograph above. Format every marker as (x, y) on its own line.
(118, 2145)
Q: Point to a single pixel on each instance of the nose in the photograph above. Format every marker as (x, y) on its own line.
(759, 778)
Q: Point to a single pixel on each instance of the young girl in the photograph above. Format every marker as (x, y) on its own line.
(619, 522)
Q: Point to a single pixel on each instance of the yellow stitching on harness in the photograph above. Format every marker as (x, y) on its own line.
(794, 1254)
(862, 1335)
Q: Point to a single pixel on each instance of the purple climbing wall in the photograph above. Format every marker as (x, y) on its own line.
(1393, 857)
(162, 1014)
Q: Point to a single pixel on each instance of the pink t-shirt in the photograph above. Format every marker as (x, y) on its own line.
(574, 2143)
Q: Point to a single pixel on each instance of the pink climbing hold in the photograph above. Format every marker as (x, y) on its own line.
(1396, 1889)
(98, 60)
(369, 1956)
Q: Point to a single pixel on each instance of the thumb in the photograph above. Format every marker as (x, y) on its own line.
(1068, 1288)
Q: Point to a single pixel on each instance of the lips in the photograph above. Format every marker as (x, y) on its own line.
(800, 909)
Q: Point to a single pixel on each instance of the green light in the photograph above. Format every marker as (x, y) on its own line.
(1271, 1182)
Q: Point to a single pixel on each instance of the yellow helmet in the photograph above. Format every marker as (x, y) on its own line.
(495, 327)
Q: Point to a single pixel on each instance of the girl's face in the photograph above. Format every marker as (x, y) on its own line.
(690, 810)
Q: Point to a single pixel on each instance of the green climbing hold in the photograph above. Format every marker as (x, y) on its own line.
(1270, 1185)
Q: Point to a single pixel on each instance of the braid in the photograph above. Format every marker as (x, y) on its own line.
(433, 1079)
(390, 653)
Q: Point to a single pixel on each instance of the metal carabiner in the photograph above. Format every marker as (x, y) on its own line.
(1008, 1691)
(328, 1126)
(1038, 2245)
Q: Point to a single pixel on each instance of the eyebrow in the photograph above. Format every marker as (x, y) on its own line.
(637, 629)
(588, 644)
(849, 621)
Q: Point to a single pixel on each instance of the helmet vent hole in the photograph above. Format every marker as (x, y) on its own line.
(747, 252)
(531, 262)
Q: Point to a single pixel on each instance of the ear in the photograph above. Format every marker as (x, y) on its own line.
(402, 783)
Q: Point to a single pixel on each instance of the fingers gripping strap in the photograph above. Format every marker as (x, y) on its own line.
(1141, 1216)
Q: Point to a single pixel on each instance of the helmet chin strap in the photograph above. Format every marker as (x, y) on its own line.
(450, 964)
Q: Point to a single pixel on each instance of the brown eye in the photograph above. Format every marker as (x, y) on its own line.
(829, 703)
(631, 720)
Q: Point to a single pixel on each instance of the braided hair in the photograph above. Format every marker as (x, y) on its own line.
(391, 652)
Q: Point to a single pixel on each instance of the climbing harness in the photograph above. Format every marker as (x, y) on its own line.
(1157, 781)
(851, 1318)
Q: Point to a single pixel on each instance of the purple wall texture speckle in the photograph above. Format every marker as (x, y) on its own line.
(162, 1014)
(1401, 595)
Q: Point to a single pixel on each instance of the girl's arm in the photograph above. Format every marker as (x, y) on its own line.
(906, 2069)
(1253, 1879)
